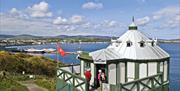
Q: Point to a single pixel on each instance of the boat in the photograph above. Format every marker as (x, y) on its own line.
(32, 50)
(47, 50)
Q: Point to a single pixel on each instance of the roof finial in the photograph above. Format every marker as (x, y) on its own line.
(133, 19)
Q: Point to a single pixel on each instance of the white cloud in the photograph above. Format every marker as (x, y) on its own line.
(17, 13)
(40, 10)
(14, 11)
(167, 12)
(174, 22)
(169, 17)
(76, 19)
(92, 5)
(60, 20)
(110, 24)
(18, 25)
(143, 21)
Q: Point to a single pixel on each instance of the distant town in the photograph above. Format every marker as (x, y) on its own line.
(11, 40)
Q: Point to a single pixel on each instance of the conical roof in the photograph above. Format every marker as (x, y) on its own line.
(132, 45)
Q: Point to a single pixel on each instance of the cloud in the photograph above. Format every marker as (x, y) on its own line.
(40, 10)
(17, 13)
(167, 12)
(14, 11)
(109, 24)
(106, 25)
(174, 22)
(18, 25)
(76, 19)
(112, 24)
(92, 5)
(169, 17)
(165, 18)
(60, 20)
(143, 21)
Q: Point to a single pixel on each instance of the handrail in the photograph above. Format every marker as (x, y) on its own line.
(74, 75)
(138, 84)
(137, 80)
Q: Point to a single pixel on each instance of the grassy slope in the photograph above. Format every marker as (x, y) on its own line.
(14, 64)
(10, 85)
(37, 65)
(49, 84)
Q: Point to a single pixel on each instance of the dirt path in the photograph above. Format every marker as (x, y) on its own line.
(32, 86)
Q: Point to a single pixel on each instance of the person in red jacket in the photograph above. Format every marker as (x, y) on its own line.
(88, 77)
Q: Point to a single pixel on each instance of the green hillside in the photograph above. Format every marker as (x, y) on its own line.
(37, 65)
(10, 85)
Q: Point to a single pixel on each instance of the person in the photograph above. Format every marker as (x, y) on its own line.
(103, 77)
(99, 77)
(88, 77)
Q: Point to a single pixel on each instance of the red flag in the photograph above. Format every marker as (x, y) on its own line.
(60, 51)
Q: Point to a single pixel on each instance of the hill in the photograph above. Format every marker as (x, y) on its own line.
(11, 85)
(26, 36)
(19, 62)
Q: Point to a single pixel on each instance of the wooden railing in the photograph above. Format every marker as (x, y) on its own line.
(151, 83)
(67, 81)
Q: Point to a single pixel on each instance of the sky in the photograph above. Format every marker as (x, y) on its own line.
(155, 18)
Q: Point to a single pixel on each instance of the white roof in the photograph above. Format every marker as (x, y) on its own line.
(105, 54)
(120, 50)
(132, 24)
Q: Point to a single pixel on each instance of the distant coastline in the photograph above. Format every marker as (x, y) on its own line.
(18, 40)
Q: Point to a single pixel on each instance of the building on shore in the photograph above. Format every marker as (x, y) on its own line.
(133, 62)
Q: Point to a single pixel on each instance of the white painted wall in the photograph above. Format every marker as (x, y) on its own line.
(92, 73)
(142, 70)
(122, 72)
(130, 71)
(112, 73)
(82, 69)
(161, 66)
(152, 68)
(165, 70)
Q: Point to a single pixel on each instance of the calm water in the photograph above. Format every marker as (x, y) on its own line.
(172, 49)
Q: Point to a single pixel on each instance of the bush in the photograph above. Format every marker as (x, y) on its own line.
(37, 65)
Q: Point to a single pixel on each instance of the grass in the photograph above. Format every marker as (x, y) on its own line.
(48, 83)
(11, 85)
(85, 55)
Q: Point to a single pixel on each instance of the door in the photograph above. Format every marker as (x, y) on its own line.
(101, 67)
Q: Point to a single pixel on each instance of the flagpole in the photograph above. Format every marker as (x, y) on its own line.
(57, 59)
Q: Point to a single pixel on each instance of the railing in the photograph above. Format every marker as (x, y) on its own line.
(76, 83)
(72, 68)
(151, 83)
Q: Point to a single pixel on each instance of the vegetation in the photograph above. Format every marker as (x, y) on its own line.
(48, 83)
(10, 85)
(37, 65)
(13, 64)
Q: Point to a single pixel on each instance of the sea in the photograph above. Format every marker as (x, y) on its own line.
(172, 48)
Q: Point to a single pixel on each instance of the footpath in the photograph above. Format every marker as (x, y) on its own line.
(32, 86)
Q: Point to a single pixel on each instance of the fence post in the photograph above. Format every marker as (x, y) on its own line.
(152, 83)
(68, 85)
(138, 86)
(73, 83)
(119, 88)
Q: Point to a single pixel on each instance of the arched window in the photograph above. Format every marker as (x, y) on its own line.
(142, 43)
(152, 43)
(129, 43)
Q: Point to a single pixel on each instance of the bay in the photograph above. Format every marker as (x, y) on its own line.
(172, 49)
